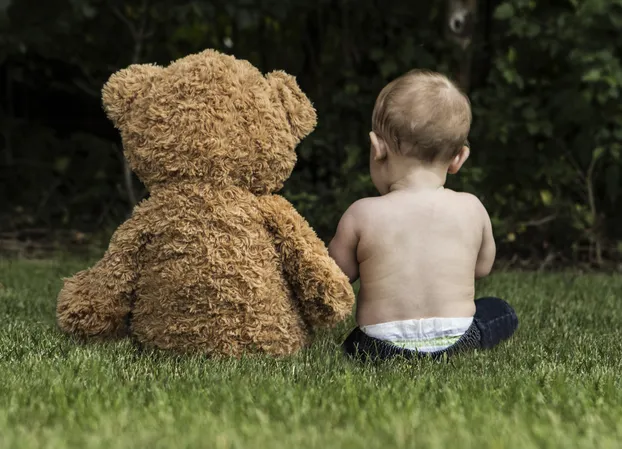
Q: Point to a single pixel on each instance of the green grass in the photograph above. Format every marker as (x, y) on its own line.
(557, 383)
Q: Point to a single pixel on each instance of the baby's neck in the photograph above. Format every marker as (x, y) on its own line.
(415, 178)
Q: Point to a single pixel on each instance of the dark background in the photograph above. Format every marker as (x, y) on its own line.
(544, 78)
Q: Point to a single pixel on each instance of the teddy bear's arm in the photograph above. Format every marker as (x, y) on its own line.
(96, 302)
(324, 291)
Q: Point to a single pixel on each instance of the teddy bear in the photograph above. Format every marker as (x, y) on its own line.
(213, 261)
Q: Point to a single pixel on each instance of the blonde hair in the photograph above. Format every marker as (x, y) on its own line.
(424, 115)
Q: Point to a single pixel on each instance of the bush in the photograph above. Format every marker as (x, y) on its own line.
(545, 88)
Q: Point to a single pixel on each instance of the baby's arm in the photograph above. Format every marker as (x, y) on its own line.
(342, 247)
(488, 249)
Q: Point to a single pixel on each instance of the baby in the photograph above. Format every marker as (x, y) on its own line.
(419, 247)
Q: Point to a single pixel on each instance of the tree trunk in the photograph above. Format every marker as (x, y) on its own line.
(139, 34)
(460, 29)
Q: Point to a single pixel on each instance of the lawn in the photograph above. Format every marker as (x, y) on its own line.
(557, 383)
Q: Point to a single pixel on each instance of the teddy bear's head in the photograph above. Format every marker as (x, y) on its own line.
(209, 118)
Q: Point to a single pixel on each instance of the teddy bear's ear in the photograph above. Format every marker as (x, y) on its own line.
(300, 112)
(124, 86)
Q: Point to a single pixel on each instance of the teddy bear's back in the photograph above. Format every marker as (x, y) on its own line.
(211, 279)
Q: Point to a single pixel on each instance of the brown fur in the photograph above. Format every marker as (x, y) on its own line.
(212, 261)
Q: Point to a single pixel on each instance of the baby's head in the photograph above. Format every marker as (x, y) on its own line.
(420, 118)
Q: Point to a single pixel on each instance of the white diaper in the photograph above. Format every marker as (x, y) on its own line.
(424, 335)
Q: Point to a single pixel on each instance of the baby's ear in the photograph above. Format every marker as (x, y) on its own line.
(379, 147)
(458, 161)
(300, 112)
(124, 86)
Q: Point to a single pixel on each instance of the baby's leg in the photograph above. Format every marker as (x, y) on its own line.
(496, 320)
(365, 348)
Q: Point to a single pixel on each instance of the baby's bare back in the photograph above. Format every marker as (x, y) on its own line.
(417, 255)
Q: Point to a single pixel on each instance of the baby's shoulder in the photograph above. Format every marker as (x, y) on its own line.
(466, 198)
(367, 212)
(467, 203)
(365, 207)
